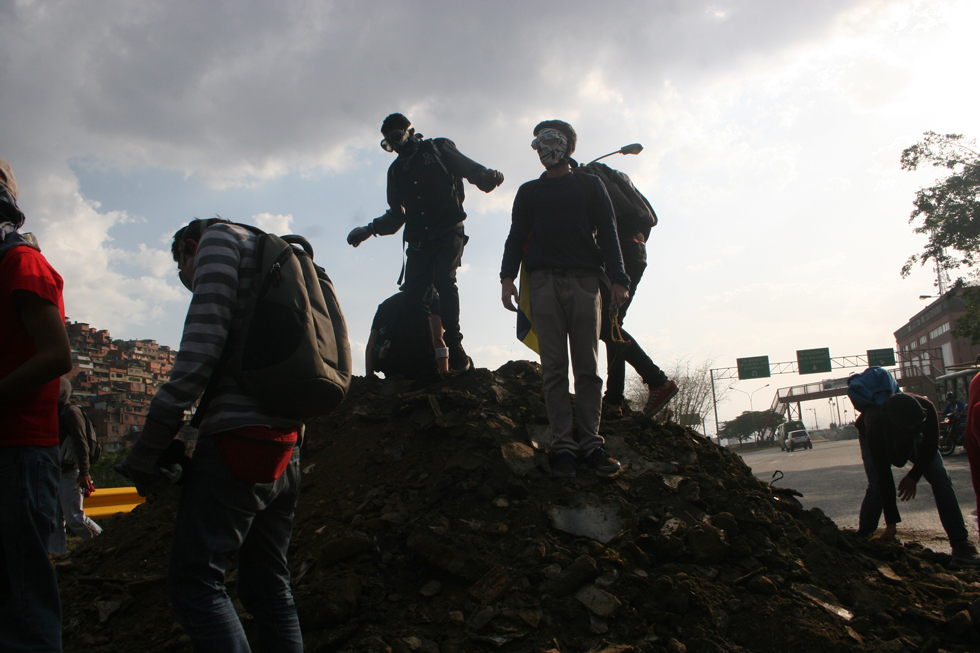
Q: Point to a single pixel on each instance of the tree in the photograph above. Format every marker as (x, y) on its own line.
(693, 401)
(948, 212)
(750, 422)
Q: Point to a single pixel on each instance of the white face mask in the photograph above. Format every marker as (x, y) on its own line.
(552, 147)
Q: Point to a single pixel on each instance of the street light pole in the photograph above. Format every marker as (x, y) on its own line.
(816, 424)
(751, 409)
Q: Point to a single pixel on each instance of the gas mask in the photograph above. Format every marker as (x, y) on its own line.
(552, 147)
(396, 139)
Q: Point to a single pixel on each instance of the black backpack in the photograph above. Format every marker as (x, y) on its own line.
(404, 343)
(632, 210)
(68, 454)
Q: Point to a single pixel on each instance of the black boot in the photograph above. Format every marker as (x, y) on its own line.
(458, 360)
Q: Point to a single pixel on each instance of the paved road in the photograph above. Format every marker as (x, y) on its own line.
(831, 477)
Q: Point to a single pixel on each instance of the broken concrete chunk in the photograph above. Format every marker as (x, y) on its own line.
(708, 544)
(431, 588)
(492, 585)
(599, 602)
(519, 458)
(600, 522)
(481, 618)
(106, 609)
(540, 436)
(824, 599)
(582, 571)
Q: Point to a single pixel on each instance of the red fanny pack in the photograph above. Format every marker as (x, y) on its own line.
(256, 454)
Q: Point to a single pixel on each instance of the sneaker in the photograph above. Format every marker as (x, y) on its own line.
(565, 465)
(602, 462)
(659, 398)
(458, 360)
(966, 556)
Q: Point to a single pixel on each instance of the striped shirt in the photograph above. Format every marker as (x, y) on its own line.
(224, 271)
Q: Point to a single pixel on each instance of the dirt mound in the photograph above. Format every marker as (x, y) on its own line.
(428, 522)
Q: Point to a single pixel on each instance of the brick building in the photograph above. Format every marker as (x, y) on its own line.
(932, 329)
(113, 381)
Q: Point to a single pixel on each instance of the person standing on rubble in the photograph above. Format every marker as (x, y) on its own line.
(34, 355)
(425, 194)
(895, 428)
(76, 482)
(239, 495)
(560, 216)
(972, 436)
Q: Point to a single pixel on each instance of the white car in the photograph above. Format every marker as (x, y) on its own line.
(798, 440)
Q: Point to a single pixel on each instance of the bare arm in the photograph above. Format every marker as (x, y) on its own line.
(436, 330)
(43, 322)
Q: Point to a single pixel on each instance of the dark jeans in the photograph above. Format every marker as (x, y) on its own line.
(30, 607)
(221, 516)
(942, 490)
(434, 262)
(617, 354)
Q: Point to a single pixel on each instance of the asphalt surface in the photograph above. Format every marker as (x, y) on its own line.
(831, 477)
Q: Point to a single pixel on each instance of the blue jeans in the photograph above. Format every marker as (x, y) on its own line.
(942, 490)
(220, 516)
(30, 607)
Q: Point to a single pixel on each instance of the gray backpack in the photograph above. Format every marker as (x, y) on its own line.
(291, 353)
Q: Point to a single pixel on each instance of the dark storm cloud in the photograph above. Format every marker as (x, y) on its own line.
(261, 86)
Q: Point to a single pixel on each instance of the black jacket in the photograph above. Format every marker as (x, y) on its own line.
(425, 190)
(564, 218)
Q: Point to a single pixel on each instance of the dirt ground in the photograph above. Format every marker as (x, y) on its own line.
(429, 522)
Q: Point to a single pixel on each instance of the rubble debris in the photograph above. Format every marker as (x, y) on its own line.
(428, 522)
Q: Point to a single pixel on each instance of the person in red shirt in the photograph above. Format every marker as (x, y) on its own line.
(973, 436)
(34, 354)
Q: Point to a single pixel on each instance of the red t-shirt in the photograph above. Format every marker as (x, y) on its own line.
(32, 419)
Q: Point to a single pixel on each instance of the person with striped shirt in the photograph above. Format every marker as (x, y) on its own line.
(240, 493)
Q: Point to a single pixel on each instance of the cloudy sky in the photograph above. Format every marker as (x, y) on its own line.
(772, 132)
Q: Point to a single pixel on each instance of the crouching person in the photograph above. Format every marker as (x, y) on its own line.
(895, 428)
(241, 490)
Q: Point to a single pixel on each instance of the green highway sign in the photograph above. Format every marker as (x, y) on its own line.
(813, 361)
(881, 357)
(754, 367)
(690, 419)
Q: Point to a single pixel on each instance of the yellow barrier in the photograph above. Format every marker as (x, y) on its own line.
(108, 501)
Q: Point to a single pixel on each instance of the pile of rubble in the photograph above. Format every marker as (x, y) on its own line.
(429, 522)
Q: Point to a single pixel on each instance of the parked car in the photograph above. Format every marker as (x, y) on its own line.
(798, 440)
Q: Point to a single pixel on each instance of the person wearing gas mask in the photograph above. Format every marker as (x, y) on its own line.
(566, 220)
(425, 194)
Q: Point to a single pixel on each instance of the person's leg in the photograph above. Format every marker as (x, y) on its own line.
(583, 336)
(446, 259)
(215, 512)
(870, 514)
(638, 359)
(947, 504)
(72, 500)
(30, 606)
(263, 577)
(973, 455)
(551, 327)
